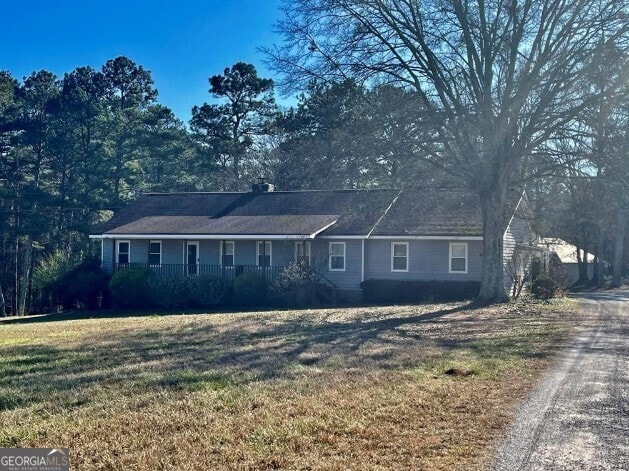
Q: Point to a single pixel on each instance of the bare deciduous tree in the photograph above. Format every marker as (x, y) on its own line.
(499, 78)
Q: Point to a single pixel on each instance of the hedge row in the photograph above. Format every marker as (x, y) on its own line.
(139, 288)
(396, 291)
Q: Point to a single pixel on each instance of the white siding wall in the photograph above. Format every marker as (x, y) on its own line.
(521, 230)
(508, 246)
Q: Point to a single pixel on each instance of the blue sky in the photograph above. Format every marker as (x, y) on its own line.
(182, 42)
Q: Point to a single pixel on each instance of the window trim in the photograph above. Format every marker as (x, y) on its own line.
(396, 270)
(459, 272)
(151, 253)
(220, 252)
(307, 250)
(118, 242)
(258, 253)
(343, 244)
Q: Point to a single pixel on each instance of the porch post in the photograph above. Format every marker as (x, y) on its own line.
(222, 257)
(264, 270)
(362, 261)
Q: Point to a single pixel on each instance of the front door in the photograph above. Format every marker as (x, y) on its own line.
(192, 257)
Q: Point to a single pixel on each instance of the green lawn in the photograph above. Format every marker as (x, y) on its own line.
(354, 388)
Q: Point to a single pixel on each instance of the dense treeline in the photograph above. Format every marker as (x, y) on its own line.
(74, 149)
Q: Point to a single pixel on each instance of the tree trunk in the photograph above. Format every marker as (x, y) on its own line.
(582, 263)
(493, 205)
(619, 242)
(3, 312)
(598, 268)
(27, 259)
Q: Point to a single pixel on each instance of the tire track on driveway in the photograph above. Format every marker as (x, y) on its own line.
(578, 416)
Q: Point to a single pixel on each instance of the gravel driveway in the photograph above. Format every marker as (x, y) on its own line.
(578, 417)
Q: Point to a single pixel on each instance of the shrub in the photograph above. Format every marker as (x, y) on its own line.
(405, 291)
(175, 292)
(294, 284)
(205, 291)
(51, 268)
(130, 288)
(545, 287)
(168, 291)
(62, 280)
(249, 289)
(82, 286)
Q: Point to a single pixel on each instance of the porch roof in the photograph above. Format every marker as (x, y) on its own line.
(284, 226)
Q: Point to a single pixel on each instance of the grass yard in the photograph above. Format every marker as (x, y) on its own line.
(352, 388)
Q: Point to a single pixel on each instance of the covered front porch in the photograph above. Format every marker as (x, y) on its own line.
(205, 257)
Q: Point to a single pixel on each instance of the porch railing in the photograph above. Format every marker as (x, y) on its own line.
(269, 274)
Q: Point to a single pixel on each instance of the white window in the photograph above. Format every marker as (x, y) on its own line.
(302, 252)
(399, 256)
(155, 252)
(228, 252)
(337, 256)
(123, 250)
(263, 253)
(458, 257)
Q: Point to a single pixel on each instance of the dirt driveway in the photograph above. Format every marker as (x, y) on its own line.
(578, 417)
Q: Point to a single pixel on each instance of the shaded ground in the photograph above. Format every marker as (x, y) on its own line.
(321, 389)
(578, 417)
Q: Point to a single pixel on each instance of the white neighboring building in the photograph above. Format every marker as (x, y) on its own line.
(567, 254)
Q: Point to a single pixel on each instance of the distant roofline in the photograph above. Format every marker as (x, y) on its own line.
(435, 188)
(262, 193)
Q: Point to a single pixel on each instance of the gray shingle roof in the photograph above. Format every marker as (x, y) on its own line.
(356, 212)
(435, 212)
(297, 225)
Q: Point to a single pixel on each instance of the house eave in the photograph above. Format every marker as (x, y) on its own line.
(280, 236)
(206, 236)
(427, 237)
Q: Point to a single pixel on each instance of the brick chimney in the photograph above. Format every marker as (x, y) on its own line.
(261, 186)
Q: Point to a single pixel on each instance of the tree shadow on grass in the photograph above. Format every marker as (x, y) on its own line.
(204, 355)
(107, 314)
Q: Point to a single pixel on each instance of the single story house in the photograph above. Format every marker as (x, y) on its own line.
(347, 236)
